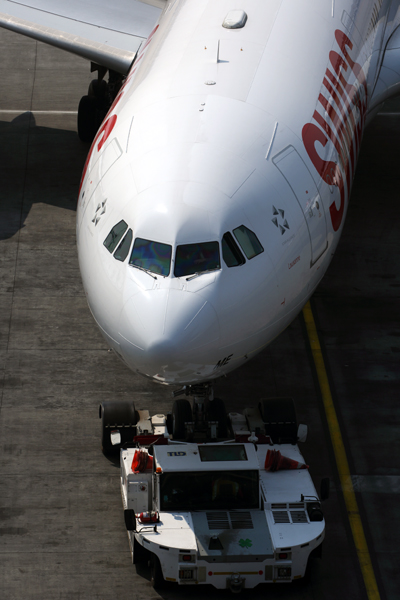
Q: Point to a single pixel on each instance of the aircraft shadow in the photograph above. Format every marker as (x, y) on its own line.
(37, 165)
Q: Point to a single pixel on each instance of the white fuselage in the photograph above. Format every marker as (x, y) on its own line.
(216, 129)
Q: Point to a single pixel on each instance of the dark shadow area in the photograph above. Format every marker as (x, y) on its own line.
(37, 165)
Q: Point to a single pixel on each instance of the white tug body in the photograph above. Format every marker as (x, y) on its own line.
(210, 513)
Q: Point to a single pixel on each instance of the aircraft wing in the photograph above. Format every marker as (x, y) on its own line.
(388, 84)
(106, 32)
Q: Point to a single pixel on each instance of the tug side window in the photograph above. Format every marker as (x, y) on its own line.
(230, 251)
(248, 241)
(115, 235)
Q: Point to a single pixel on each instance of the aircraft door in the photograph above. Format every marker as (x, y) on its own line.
(294, 170)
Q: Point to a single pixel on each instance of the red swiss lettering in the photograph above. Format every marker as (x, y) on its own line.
(339, 110)
(328, 170)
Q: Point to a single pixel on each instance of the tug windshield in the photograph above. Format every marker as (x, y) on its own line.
(209, 490)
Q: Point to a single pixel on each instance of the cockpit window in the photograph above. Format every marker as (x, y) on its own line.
(248, 241)
(196, 258)
(123, 249)
(151, 256)
(230, 251)
(115, 235)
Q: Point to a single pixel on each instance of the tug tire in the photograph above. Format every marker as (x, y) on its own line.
(117, 415)
(156, 577)
(140, 554)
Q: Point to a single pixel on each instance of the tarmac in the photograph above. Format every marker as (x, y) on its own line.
(62, 533)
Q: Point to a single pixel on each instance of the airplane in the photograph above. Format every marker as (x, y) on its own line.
(224, 146)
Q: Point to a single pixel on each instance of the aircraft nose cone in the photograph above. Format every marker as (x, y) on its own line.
(166, 329)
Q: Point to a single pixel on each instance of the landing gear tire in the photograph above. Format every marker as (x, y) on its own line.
(217, 412)
(98, 89)
(279, 417)
(87, 118)
(92, 110)
(156, 577)
(117, 415)
(181, 414)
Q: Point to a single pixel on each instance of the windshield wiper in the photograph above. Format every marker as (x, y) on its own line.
(201, 273)
(143, 269)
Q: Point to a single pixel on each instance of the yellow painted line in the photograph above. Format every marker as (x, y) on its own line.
(341, 460)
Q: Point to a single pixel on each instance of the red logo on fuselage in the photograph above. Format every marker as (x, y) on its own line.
(345, 110)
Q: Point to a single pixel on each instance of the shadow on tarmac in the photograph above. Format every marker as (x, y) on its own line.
(49, 159)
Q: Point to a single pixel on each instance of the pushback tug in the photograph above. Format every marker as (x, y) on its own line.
(226, 501)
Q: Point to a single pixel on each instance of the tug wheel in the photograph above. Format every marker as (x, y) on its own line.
(156, 577)
(139, 553)
(117, 415)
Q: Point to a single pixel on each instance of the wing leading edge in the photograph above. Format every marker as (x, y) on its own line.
(388, 84)
(103, 32)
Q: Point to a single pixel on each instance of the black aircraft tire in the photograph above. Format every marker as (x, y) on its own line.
(98, 89)
(217, 412)
(279, 417)
(87, 119)
(181, 413)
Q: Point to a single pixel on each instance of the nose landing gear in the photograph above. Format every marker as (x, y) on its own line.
(206, 419)
(95, 105)
(203, 421)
